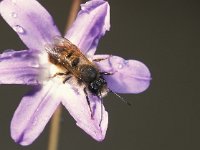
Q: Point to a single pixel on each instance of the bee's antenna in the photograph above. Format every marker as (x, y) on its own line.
(121, 98)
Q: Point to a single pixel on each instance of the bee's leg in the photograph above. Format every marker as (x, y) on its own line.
(66, 79)
(68, 76)
(63, 74)
(100, 59)
(60, 74)
(87, 98)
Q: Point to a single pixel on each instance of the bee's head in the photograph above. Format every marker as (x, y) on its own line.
(99, 87)
(95, 82)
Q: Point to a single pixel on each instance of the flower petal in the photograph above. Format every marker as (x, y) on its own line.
(76, 103)
(33, 113)
(20, 67)
(30, 20)
(90, 25)
(129, 76)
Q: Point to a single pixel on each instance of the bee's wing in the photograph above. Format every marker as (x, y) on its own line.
(60, 41)
(58, 46)
(63, 42)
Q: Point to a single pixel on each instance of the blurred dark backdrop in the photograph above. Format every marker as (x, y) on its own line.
(165, 35)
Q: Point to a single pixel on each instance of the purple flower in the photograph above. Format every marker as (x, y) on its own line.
(36, 29)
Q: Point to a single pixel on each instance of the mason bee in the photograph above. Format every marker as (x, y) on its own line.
(75, 64)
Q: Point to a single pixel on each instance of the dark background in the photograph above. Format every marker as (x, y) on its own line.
(165, 36)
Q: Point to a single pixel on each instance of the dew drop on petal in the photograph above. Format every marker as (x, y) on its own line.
(83, 7)
(19, 29)
(37, 109)
(34, 64)
(31, 80)
(120, 66)
(125, 62)
(14, 15)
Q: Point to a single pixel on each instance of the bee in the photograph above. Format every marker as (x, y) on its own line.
(74, 63)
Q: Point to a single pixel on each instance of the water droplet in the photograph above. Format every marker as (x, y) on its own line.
(84, 8)
(30, 81)
(14, 15)
(34, 64)
(125, 62)
(120, 66)
(19, 29)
